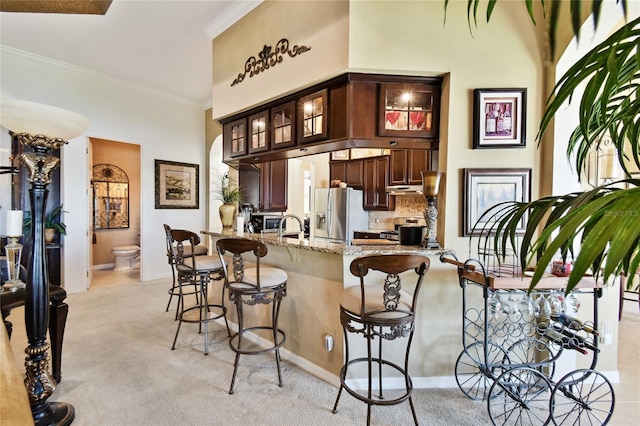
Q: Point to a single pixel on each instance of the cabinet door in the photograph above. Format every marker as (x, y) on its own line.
(355, 173)
(376, 171)
(398, 167)
(338, 171)
(406, 165)
(259, 132)
(408, 110)
(417, 161)
(273, 182)
(235, 136)
(283, 126)
(312, 116)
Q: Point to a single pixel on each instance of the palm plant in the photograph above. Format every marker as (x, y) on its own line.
(604, 221)
(226, 190)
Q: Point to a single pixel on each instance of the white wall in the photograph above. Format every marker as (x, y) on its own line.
(166, 128)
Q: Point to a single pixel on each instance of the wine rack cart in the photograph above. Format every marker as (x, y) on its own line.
(512, 341)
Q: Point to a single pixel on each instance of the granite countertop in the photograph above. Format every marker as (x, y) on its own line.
(323, 246)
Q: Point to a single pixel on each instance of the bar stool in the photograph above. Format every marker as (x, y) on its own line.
(382, 311)
(252, 286)
(197, 271)
(199, 250)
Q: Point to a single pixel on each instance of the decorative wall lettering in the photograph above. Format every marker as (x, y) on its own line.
(268, 58)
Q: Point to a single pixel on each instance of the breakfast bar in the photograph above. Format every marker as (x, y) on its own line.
(317, 272)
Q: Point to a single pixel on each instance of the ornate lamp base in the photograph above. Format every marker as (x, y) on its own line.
(55, 413)
(430, 216)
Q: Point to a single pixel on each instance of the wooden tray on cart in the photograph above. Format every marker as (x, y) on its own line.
(510, 281)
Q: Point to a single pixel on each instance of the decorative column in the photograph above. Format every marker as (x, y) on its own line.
(430, 189)
(41, 128)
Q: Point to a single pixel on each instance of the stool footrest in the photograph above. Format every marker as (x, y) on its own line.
(376, 401)
(280, 339)
(210, 315)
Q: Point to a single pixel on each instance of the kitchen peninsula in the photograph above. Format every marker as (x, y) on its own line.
(317, 272)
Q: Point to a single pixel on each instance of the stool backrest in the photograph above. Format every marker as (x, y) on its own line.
(239, 247)
(170, 255)
(392, 265)
(179, 240)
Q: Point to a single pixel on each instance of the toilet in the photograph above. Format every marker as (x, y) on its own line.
(126, 257)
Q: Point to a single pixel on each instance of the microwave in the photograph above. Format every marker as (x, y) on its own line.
(265, 222)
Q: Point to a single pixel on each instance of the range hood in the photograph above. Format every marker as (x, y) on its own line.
(404, 189)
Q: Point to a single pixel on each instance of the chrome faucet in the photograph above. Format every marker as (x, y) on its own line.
(284, 218)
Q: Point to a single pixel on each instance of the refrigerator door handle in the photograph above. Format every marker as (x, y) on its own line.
(329, 213)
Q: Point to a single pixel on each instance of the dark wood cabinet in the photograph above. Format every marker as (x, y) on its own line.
(235, 133)
(352, 110)
(338, 171)
(273, 186)
(351, 172)
(355, 173)
(408, 110)
(406, 164)
(259, 132)
(376, 179)
(283, 126)
(313, 115)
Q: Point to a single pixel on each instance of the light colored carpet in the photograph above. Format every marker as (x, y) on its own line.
(118, 369)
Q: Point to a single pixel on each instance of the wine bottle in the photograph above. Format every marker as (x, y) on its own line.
(578, 340)
(573, 323)
(506, 121)
(565, 341)
(491, 122)
(500, 121)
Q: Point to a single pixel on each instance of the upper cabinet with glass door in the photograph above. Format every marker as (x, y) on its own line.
(313, 117)
(408, 110)
(235, 133)
(259, 132)
(283, 126)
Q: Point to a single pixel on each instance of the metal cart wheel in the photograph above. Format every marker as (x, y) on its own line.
(534, 353)
(582, 397)
(473, 376)
(520, 396)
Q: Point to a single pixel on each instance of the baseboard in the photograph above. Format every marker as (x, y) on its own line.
(332, 379)
(103, 266)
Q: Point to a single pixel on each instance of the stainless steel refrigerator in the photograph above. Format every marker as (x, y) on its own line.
(337, 213)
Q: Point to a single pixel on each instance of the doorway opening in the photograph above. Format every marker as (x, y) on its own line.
(113, 254)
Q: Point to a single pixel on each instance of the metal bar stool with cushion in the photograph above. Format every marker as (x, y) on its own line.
(199, 250)
(384, 311)
(252, 286)
(198, 271)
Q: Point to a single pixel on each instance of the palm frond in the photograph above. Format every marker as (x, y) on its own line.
(606, 219)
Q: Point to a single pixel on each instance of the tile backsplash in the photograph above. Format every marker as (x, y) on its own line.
(406, 205)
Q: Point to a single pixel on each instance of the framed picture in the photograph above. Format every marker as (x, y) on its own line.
(484, 188)
(343, 154)
(499, 118)
(177, 185)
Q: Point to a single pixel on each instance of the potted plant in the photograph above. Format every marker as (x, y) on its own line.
(603, 222)
(52, 224)
(231, 194)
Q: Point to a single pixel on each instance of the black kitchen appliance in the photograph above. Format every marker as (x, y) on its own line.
(411, 235)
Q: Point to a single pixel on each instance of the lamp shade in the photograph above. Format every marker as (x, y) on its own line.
(431, 183)
(39, 119)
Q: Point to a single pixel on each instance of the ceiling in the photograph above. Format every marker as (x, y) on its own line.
(161, 44)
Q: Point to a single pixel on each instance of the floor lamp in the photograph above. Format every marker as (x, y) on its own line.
(41, 128)
(430, 189)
